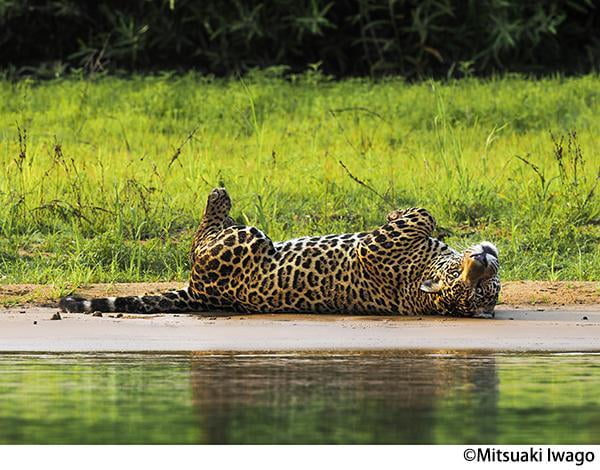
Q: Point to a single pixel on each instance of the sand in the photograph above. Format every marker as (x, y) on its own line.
(526, 328)
(533, 316)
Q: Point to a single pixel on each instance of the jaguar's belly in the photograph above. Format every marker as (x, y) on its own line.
(314, 274)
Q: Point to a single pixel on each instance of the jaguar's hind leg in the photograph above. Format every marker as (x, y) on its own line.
(215, 218)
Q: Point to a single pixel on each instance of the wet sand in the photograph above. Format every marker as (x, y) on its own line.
(526, 328)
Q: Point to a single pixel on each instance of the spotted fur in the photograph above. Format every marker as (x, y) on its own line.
(397, 268)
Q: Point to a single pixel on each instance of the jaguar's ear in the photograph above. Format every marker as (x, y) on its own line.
(432, 287)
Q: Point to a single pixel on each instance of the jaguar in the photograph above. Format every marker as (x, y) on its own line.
(398, 268)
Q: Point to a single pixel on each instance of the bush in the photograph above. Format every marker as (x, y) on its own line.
(442, 38)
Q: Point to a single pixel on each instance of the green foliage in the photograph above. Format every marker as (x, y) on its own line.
(105, 179)
(442, 38)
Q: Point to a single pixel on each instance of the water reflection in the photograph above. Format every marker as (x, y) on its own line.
(398, 397)
(358, 399)
(95, 399)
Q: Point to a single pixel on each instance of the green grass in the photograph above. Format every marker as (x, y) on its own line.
(97, 189)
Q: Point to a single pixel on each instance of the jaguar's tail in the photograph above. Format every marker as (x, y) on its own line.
(169, 302)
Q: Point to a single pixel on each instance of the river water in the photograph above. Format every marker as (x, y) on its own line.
(369, 397)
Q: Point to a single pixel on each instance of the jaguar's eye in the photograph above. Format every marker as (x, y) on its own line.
(454, 274)
(479, 290)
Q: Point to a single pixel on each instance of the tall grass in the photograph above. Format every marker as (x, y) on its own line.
(105, 179)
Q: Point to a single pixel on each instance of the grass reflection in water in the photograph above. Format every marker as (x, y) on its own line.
(383, 397)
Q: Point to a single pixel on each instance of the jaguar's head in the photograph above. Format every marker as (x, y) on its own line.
(465, 284)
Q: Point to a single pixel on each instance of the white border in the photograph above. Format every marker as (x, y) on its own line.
(267, 457)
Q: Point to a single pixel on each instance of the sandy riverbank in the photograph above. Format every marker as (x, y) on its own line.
(534, 316)
(576, 328)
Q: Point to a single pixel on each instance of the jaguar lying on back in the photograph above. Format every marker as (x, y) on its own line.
(396, 269)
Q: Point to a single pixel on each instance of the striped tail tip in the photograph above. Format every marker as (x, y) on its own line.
(169, 302)
(75, 305)
(80, 305)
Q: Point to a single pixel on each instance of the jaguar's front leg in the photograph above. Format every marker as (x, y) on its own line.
(405, 229)
(418, 221)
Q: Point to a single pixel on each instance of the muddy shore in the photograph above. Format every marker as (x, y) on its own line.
(513, 329)
(533, 316)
